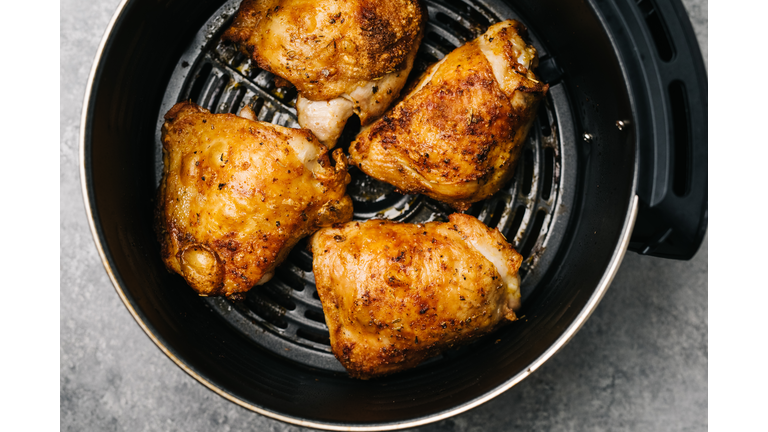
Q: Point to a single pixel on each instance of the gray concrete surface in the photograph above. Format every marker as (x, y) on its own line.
(639, 363)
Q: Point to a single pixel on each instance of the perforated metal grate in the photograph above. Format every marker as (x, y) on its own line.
(285, 315)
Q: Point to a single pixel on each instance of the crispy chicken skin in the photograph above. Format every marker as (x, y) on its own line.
(236, 195)
(344, 57)
(395, 294)
(457, 135)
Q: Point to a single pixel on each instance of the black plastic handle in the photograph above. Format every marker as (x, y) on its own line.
(672, 182)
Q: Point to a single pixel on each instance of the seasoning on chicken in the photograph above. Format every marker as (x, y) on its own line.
(457, 135)
(395, 294)
(237, 195)
(344, 57)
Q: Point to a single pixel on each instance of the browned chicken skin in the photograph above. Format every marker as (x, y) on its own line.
(344, 57)
(237, 195)
(457, 135)
(395, 294)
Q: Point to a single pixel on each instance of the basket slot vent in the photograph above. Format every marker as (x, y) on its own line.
(266, 113)
(265, 80)
(475, 209)
(681, 176)
(236, 102)
(257, 104)
(315, 316)
(199, 82)
(462, 24)
(440, 43)
(239, 59)
(286, 95)
(517, 220)
(314, 336)
(480, 17)
(300, 257)
(449, 38)
(658, 30)
(549, 173)
(427, 55)
(496, 213)
(533, 234)
(527, 172)
(545, 127)
(457, 29)
(266, 310)
(290, 278)
(213, 92)
(282, 119)
(273, 294)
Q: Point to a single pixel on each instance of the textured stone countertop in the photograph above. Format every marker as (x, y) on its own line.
(639, 363)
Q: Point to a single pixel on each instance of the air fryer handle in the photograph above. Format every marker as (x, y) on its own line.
(672, 181)
(675, 226)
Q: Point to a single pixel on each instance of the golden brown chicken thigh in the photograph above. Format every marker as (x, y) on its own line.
(395, 294)
(457, 135)
(344, 57)
(237, 195)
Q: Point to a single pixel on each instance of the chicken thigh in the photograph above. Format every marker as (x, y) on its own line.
(395, 294)
(236, 195)
(344, 57)
(457, 135)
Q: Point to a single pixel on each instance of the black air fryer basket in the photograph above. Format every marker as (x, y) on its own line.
(617, 159)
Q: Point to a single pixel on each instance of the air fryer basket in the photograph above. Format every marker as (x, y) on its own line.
(614, 136)
(286, 316)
